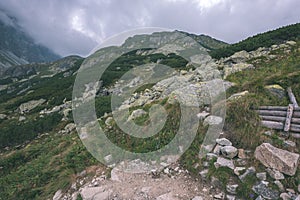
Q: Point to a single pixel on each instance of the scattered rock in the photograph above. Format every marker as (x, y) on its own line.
(276, 90)
(262, 176)
(223, 162)
(213, 120)
(223, 142)
(267, 193)
(58, 195)
(22, 118)
(275, 174)
(279, 185)
(229, 151)
(237, 170)
(211, 156)
(249, 172)
(28, 106)
(241, 154)
(231, 189)
(217, 149)
(278, 159)
(285, 196)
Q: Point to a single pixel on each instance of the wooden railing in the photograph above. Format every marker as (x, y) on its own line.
(286, 118)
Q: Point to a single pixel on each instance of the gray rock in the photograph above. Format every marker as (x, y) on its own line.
(90, 193)
(289, 144)
(279, 185)
(217, 149)
(263, 190)
(299, 188)
(298, 197)
(28, 106)
(22, 118)
(223, 142)
(230, 197)
(231, 189)
(237, 171)
(211, 156)
(259, 198)
(167, 196)
(262, 176)
(213, 120)
(275, 174)
(197, 198)
(202, 115)
(219, 196)
(3, 116)
(58, 195)
(223, 162)
(285, 196)
(229, 151)
(249, 172)
(108, 121)
(278, 159)
(276, 90)
(238, 95)
(204, 174)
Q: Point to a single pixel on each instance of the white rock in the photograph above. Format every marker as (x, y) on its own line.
(58, 195)
(229, 151)
(213, 120)
(197, 198)
(223, 142)
(275, 174)
(223, 162)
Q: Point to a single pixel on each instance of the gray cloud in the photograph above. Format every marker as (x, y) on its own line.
(76, 26)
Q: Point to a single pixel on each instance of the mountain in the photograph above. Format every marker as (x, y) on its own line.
(43, 157)
(17, 47)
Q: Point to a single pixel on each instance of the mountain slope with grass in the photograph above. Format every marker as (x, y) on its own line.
(42, 156)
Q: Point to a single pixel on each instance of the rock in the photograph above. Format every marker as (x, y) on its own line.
(90, 193)
(278, 159)
(231, 189)
(213, 120)
(58, 195)
(167, 196)
(223, 162)
(211, 156)
(223, 142)
(298, 197)
(183, 72)
(230, 197)
(22, 118)
(268, 133)
(108, 121)
(3, 116)
(108, 158)
(197, 198)
(238, 95)
(236, 68)
(263, 190)
(259, 198)
(202, 115)
(299, 188)
(262, 176)
(249, 172)
(292, 43)
(241, 154)
(285, 196)
(237, 170)
(279, 185)
(219, 196)
(28, 106)
(136, 114)
(276, 90)
(229, 151)
(275, 174)
(217, 149)
(204, 174)
(289, 144)
(70, 127)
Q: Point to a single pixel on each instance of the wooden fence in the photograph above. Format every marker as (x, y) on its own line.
(286, 118)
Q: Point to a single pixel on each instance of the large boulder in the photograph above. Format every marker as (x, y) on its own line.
(278, 159)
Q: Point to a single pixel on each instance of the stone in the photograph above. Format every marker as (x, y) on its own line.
(197, 198)
(292, 43)
(298, 197)
(223, 162)
(268, 133)
(3, 116)
(230, 197)
(237, 171)
(299, 188)
(22, 118)
(108, 121)
(167, 196)
(90, 193)
(28, 106)
(275, 174)
(70, 127)
(223, 142)
(278, 159)
(58, 195)
(204, 174)
(279, 185)
(249, 172)
(211, 156)
(229, 151)
(285, 196)
(276, 90)
(241, 154)
(219, 196)
(213, 120)
(259, 198)
(202, 115)
(231, 189)
(217, 149)
(261, 176)
(136, 114)
(263, 190)
(238, 95)
(289, 144)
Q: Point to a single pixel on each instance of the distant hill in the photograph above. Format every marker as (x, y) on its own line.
(16, 47)
(290, 32)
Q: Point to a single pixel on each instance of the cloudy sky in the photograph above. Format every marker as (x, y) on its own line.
(77, 26)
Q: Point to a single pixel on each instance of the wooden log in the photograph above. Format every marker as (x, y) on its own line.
(292, 97)
(279, 108)
(273, 125)
(296, 114)
(273, 118)
(288, 120)
(295, 135)
(295, 129)
(296, 120)
(272, 113)
(296, 125)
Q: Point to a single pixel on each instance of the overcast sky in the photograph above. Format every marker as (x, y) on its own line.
(77, 26)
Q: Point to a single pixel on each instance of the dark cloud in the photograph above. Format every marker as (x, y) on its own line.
(76, 26)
